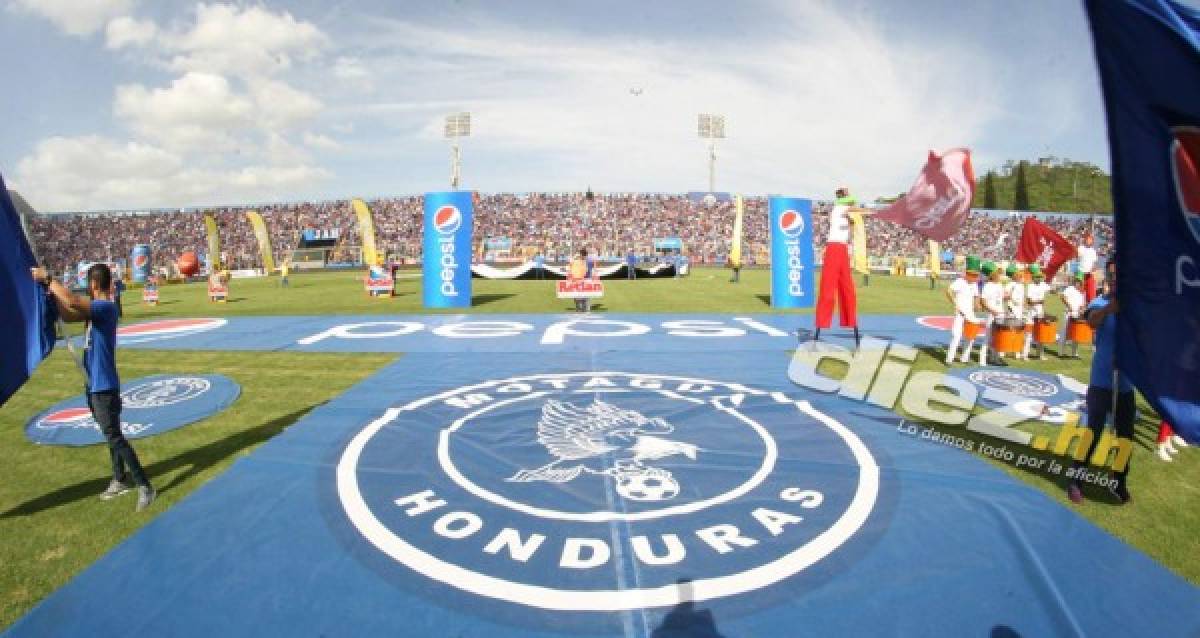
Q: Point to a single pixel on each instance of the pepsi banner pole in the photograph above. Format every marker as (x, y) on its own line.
(446, 261)
(790, 220)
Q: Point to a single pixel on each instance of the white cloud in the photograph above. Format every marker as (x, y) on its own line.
(247, 41)
(353, 72)
(127, 31)
(320, 142)
(198, 109)
(76, 17)
(98, 173)
(280, 106)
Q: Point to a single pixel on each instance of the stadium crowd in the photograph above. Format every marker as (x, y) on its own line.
(552, 224)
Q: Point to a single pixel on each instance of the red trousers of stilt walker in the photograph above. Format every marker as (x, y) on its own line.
(836, 279)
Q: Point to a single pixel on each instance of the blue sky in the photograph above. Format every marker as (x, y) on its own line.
(126, 104)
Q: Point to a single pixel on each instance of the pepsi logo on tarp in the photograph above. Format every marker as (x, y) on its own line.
(165, 329)
(511, 489)
(936, 322)
(150, 405)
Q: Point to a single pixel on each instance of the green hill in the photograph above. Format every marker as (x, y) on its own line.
(1052, 185)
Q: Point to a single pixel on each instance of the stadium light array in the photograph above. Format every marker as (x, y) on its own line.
(711, 128)
(458, 125)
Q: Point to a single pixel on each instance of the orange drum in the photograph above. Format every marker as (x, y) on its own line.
(1046, 330)
(1008, 336)
(1079, 331)
(971, 329)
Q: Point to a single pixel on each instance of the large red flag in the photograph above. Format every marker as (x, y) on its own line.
(938, 203)
(1041, 245)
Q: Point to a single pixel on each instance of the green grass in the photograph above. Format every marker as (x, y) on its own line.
(53, 526)
(705, 290)
(51, 522)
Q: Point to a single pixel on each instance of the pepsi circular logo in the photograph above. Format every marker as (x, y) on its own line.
(447, 219)
(140, 260)
(1185, 165)
(791, 223)
(150, 405)
(512, 489)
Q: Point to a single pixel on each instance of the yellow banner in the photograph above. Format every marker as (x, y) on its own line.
(735, 245)
(935, 259)
(214, 242)
(264, 240)
(366, 231)
(860, 244)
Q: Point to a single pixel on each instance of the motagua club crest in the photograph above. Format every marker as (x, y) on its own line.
(600, 491)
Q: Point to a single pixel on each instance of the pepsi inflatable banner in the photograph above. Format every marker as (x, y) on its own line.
(1148, 53)
(150, 405)
(790, 220)
(139, 263)
(446, 272)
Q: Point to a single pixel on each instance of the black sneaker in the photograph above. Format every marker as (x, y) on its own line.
(115, 488)
(1121, 493)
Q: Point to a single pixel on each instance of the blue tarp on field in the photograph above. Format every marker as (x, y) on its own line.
(616, 493)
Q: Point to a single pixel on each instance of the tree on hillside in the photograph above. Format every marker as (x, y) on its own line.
(989, 191)
(1021, 194)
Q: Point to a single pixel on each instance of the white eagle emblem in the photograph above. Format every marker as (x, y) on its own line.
(604, 439)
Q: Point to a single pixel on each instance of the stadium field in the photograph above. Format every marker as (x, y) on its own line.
(54, 527)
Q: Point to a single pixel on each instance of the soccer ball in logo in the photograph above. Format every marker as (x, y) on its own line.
(650, 484)
(791, 223)
(447, 219)
(1185, 164)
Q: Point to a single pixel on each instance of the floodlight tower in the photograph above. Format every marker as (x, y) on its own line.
(458, 126)
(712, 128)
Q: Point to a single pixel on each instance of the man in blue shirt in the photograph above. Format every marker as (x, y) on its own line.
(1101, 315)
(631, 264)
(103, 384)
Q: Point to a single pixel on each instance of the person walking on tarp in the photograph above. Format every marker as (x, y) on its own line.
(836, 281)
(1101, 315)
(103, 385)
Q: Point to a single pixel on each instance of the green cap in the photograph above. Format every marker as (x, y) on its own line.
(846, 201)
(1078, 276)
(989, 267)
(1011, 271)
(972, 264)
(1036, 271)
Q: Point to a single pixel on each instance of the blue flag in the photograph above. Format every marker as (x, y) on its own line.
(1148, 52)
(27, 336)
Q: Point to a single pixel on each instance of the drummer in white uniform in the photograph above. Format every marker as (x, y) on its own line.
(1073, 301)
(1014, 299)
(1035, 295)
(964, 294)
(991, 301)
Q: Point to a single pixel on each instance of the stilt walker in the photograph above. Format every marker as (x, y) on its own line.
(837, 282)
